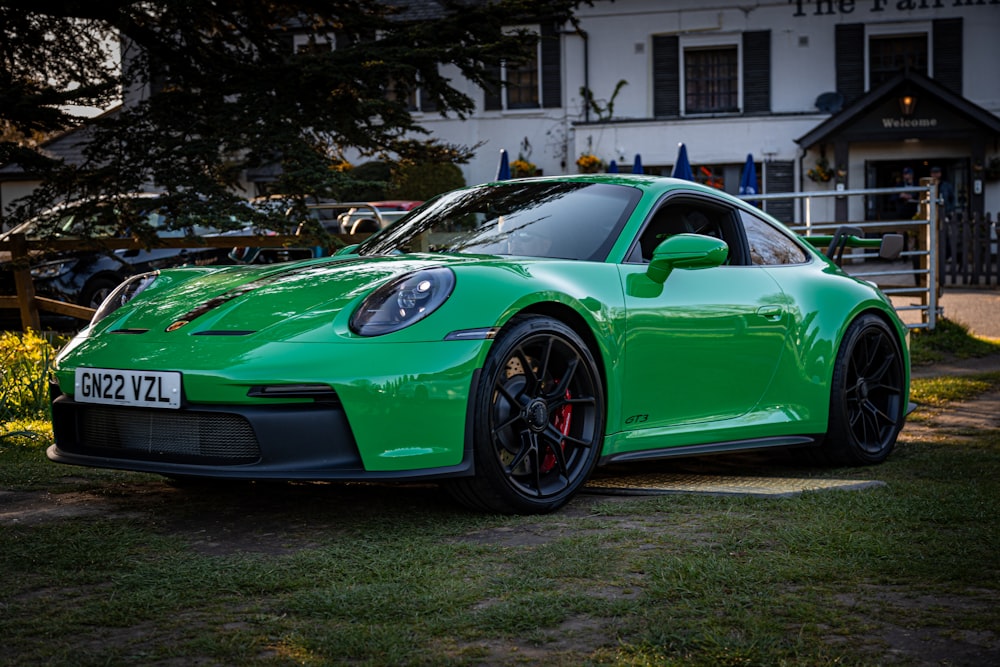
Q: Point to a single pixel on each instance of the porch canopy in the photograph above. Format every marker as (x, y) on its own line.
(909, 106)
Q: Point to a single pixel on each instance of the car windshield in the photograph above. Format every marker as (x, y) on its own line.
(555, 219)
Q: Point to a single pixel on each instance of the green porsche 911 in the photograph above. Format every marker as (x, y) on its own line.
(503, 339)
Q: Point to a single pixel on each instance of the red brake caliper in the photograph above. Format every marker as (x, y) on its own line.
(561, 421)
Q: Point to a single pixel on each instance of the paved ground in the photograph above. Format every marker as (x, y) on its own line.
(976, 308)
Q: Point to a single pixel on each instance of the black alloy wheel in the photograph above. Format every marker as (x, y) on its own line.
(539, 420)
(867, 398)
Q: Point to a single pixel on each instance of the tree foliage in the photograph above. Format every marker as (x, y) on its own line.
(421, 182)
(213, 89)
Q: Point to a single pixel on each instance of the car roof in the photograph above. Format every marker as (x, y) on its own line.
(58, 209)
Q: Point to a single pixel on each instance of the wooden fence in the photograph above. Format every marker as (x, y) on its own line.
(29, 304)
(967, 251)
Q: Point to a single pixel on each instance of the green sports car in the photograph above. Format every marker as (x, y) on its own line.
(503, 339)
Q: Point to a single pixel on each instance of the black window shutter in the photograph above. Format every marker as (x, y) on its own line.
(491, 91)
(425, 102)
(757, 72)
(849, 47)
(781, 178)
(343, 40)
(551, 67)
(948, 53)
(666, 76)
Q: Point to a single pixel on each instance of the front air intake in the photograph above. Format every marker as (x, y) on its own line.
(181, 437)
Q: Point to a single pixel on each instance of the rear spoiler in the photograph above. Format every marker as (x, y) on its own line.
(889, 245)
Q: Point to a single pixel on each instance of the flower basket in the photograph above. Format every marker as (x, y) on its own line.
(521, 168)
(821, 173)
(588, 163)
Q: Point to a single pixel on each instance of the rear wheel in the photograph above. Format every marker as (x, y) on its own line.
(539, 420)
(867, 397)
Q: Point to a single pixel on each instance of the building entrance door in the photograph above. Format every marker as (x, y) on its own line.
(889, 174)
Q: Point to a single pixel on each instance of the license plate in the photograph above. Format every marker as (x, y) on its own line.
(149, 389)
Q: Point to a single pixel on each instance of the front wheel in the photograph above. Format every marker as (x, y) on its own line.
(867, 397)
(97, 290)
(539, 420)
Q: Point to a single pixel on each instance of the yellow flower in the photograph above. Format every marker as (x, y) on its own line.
(822, 172)
(521, 168)
(588, 163)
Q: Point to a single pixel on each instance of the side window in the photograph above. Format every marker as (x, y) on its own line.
(770, 246)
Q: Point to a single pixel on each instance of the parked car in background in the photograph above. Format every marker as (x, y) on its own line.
(85, 277)
(360, 217)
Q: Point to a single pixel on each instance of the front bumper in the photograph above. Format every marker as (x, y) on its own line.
(300, 442)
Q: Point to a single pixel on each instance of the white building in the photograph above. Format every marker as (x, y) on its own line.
(869, 86)
(864, 87)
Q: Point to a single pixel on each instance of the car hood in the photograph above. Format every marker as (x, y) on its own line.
(283, 300)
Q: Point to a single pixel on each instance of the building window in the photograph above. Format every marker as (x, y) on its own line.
(533, 82)
(395, 92)
(697, 75)
(416, 99)
(888, 55)
(522, 83)
(711, 80)
(313, 43)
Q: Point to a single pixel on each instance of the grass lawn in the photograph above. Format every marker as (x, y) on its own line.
(110, 568)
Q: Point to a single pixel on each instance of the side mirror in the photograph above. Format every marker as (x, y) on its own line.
(891, 247)
(686, 251)
(347, 249)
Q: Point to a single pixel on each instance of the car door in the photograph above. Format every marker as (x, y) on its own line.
(704, 345)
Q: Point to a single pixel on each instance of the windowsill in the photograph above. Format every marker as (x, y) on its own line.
(514, 113)
(521, 111)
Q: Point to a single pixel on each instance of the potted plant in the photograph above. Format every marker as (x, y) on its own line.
(588, 163)
(522, 168)
(821, 173)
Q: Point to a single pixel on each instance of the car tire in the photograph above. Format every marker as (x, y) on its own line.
(539, 418)
(867, 395)
(97, 289)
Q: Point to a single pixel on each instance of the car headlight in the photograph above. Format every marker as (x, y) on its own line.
(124, 293)
(403, 301)
(51, 270)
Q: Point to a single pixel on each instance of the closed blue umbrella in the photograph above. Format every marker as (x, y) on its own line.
(612, 167)
(503, 171)
(748, 181)
(682, 168)
(637, 165)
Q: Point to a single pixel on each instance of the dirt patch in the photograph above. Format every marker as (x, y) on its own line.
(903, 633)
(33, 507)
